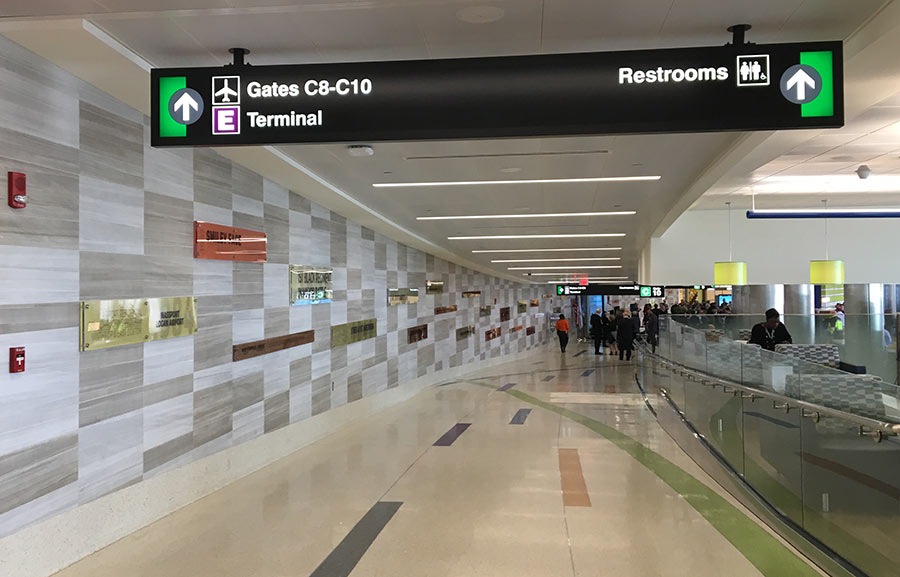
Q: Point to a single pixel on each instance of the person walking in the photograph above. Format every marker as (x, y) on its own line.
(625, 336)
(651, 326)
(562, 331)
(611, 333)
(597, 331)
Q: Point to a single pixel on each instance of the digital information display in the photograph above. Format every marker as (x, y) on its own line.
(709, 89)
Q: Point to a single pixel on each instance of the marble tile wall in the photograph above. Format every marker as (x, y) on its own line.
(110, 217)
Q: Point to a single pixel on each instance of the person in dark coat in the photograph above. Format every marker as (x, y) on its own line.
(597, 331)
(770, 333)
(651, 326)
(625, 336)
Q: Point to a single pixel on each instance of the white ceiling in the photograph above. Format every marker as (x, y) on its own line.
(199, 33)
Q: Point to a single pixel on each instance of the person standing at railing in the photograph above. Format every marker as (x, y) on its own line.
(770, 333)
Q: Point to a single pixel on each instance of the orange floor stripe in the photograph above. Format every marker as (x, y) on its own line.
(574, 489)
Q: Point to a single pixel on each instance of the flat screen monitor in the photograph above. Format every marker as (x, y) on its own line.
(722, 299)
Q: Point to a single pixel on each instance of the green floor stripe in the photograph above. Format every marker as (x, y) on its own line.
(763, 550)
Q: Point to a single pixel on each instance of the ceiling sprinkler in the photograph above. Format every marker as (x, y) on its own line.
(863, 171)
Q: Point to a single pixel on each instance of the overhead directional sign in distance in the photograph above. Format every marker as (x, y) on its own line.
(723, 88)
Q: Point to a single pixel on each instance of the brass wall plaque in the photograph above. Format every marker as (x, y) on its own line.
(471, 294)
(266, 346)
(434, 287)
(484, 311)
(517, 328)
(353, 332)
(464, 333)
(310, 285)
(529, 331)
(118, 322)
(444, 310)
(403, 296)
(504, 314)
(535, 302)
(521, 307)
(492, 334)
(416, 334)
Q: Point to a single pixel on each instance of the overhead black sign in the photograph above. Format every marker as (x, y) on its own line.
(726, 88)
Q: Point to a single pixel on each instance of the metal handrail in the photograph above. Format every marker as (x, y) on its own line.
(879, 428)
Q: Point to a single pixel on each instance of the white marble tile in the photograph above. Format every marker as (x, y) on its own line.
(167, 359)
(301, 402)
(320, 211)
(321, 364)
(37, 275)
(241, 203)
(168, 171)
(339, 313)
(276, 285)
(275, 194)
(248, 326)
(213, 376)
(248, 423)
(41, 403)
(168, 420)
(214, 214)
(43, 507)
(213, 277)
(277, 373)
(110, 455)
(301, 318)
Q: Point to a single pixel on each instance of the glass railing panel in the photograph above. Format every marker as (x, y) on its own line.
(851, 491)
(772, 446)
(718, 416)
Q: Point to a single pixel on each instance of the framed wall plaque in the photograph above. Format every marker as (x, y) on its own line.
(521, 307)
(416, 334)
(219, 242)
(403, 296)
(504, 314)
(529, 331)
(266, 346)
(444, 310)
(434, 287)
(118, 322)
(492, 334)
(310, 285)
(471, 294)
(355, 332)
(535, 302)
(484, 311)
(517, 328)
(464, 333)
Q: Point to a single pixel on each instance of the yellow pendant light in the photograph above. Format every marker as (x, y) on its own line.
(826, 271)
(730, 272)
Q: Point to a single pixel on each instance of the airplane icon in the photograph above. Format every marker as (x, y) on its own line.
(223, 93)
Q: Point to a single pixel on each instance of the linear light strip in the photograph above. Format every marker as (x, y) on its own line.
(545, 215)
(523, 181)
(526, 236)
(511, 250)
(562, 274)
(570, 281)
(559, 259)
(563, 267)
(825, 213)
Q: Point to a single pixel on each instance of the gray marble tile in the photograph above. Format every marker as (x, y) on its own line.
(213, 340)
(354, 387)
(167, 359)
(217, 375)
(37, 275)
(249, 221)
(278, 373)
(246, 205)
(168, 226)
(111, 276)
(167, 452)
(164, 390)
(168, 420)
(248, 326)
(37, 470)
(277, 411)
(168, 171)
(110, 383)
(40, 404)
(247, 285)
(36, 510)
(37, 97)
(249, 423)
(276, 285)
(112, 147)
(212, 413)
(110, 455)
(275, 194)
(248, 388)
(51, 218)
(40, 317)
(301, 371)
(246, 182)
(277, 228)
(212, 277)
(212, 179)
(168, 276)
(278, 322)
(215, 214)
(112, 217)
(299, 203)
(301, 402)
(321, 394)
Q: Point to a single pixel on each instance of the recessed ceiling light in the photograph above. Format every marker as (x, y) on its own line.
(544, 250)
(524, 181)
(564, 267)
(524, 236)
(480, 14)
(562, 274)
(560, 259)
(543, 215)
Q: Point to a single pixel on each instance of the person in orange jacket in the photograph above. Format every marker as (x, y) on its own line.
(562, 331)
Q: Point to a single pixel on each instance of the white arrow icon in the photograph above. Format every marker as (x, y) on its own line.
(185, 103)
(801, 80)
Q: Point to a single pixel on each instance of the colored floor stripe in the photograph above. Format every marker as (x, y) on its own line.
(520, 416)
(764, 551)
(343, 559)
(574, 489)
(507, 387)
(548, 378)
(455, 431)
(587, 373)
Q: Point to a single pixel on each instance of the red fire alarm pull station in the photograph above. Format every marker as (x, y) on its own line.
(17, 190)
(17, 359)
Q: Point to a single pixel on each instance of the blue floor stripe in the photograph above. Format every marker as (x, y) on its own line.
(587, 373)
(507, 387)
(549, 378)
(579, 354)
(450, 436)
(344, 558)
(520, 416)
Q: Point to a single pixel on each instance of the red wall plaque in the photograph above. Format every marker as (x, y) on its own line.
(214, 241)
